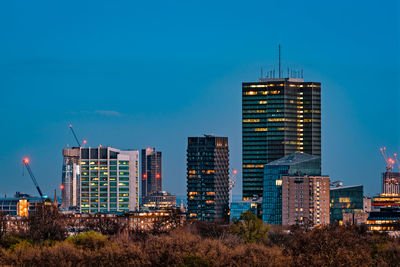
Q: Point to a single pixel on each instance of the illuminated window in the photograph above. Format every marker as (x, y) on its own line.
(250, 93)
(251, 120)
(344, 199)
(261, 129)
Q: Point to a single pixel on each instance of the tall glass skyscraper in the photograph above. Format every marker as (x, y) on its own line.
(279, 117)
(102, 179)
(297, 164)
(208, 178)
(151, 171)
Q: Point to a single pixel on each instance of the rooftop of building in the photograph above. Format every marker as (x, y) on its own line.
(281, 80)
(292, 159)
(19, 195)
(160, 193)
(345, 187)
(253, 200)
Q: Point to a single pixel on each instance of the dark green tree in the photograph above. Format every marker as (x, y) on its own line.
(250, 228)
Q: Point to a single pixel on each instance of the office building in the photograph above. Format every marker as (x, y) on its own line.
(151, 171)
(386, 219)
(19, 205)
(239, 207)
(280, 116)
(345, 199)
(391, 182)
(103, 179)
(385, 201)
(305, 200)
(159, 200)
(292, 165)
(208, 178)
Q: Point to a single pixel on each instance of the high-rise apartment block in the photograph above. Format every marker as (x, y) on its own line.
(305, 200)
(281, 116)
(292, 165)
(391, 182)
(151, 171)
(208, 178)
(102, 179)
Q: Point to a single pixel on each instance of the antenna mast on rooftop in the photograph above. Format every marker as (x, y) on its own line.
(279, 46)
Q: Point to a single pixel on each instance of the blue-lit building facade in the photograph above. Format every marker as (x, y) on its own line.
(297, 164)
(346, 199)
(239, 207)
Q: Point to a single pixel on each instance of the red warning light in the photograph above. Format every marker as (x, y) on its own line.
(234, 171)
(84, 141)
(144, 176)
(158, 175)
(26, 160)
(62, 187)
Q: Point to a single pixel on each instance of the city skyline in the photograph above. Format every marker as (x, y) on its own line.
(109, 79)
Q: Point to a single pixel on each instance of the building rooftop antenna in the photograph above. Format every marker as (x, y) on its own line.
(279, 46)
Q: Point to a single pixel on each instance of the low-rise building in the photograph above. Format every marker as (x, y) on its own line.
(159, 200)
(162, 219)
(238, 207)
(19, 205)
(345, 199)
(359, 218)
(386, 219)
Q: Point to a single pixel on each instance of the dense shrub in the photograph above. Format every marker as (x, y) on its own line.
(89, 240)
(188, 246)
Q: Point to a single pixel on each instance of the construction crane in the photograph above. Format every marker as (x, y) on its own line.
(389, 161)
(232, 183)
(26, 162)
(73, 132)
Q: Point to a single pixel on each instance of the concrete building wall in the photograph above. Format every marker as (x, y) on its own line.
(305, 200)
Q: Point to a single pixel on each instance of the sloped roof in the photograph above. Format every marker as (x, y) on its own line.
(292, 159)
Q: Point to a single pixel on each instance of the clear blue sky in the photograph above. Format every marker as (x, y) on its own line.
(133, 74)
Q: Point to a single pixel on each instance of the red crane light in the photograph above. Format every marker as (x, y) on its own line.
(26, 160)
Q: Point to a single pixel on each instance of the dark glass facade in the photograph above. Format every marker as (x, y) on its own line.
(293, 165)
(239, 207)
(208, 178)
(279, 117)
(348, 199)
(151, 171)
